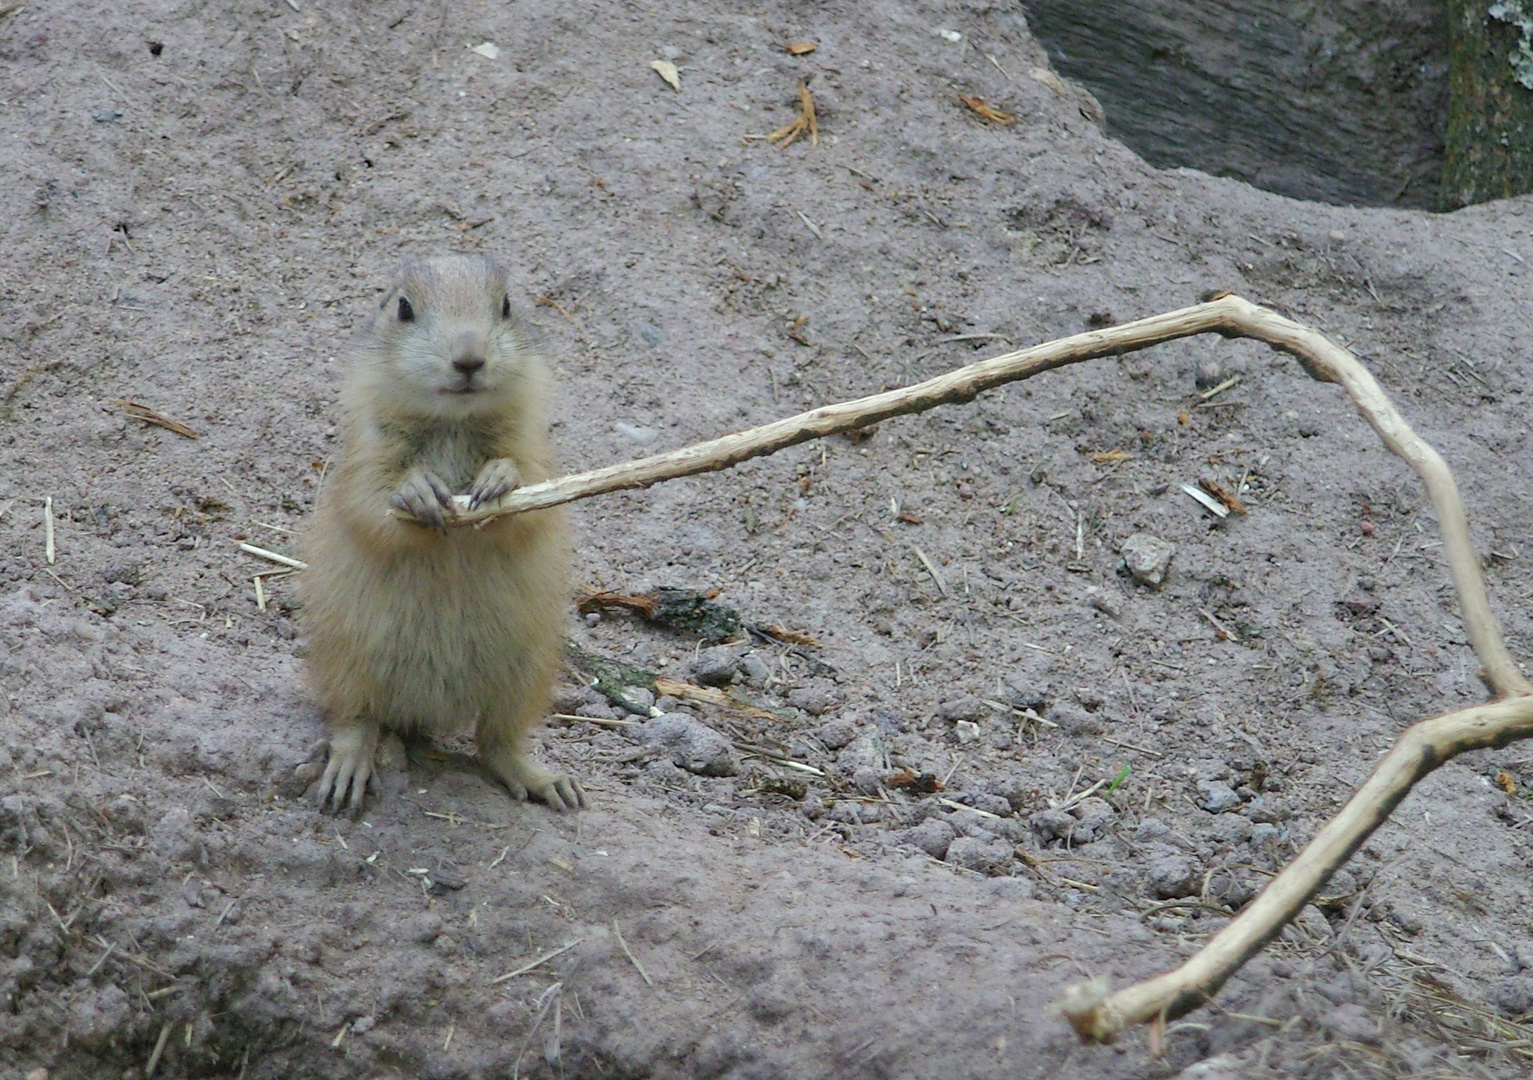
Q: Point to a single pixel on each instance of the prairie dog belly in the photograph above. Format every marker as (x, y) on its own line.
(442, 637)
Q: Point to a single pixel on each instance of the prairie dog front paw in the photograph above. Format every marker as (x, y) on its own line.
(496, 477)
(423, 496)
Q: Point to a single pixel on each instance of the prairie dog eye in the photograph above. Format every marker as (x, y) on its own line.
(505, 307)
(406, 311)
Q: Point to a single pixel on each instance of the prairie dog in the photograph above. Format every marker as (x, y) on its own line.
(421, 628)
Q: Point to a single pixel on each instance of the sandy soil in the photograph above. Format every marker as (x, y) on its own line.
(200, 201)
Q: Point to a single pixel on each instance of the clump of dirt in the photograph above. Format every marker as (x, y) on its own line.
(1009, 762)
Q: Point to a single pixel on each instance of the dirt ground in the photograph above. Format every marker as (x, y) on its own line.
(200, 201)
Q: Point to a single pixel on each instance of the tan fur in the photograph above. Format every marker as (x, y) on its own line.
(412, 628)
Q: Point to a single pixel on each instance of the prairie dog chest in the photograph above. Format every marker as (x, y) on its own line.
(453, 451)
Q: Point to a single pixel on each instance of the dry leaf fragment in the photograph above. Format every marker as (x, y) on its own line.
(1049, 79)
(792, 637)
(1506, 782)
(486, 49)
(1111, 456)
(800, 48)
(804, 121)
(669, 72)
(136, 411)
(987, 112)
(1223, 494)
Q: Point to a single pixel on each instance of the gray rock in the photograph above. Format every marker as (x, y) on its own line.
(1026, 694)
(1263, 833)
(967, 731)
(1216, 796)
(715, 667)
(1074, 720)
(641, 696)
(1106, 603)
(991, 857)
(1147, 558)
(1207, 373)
(835, 734)
(992, 804)
(1229, 829)
(691, 744)
(596, 710)
(846, 812)
(423, 928)
(1514, 996)
(814, 700)
(865, 751)
(1523, 951)
(569, 698)
(1268, 809)
(1015, 790)
(967, 707)
(868, 779)
(1171, 877)
(932, 836)
(1054, 824)
(1096, 816)
(754, 668)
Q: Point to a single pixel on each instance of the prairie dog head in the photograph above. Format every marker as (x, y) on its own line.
(447, 342)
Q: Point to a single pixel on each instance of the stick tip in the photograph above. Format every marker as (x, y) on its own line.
(1084, 1005)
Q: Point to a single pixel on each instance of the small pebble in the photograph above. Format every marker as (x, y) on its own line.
(865, 751)
(1208, 373)
(692, 745)
(1147, 557)
(932, 836)
(755, 669)
(1262, 833)
(639, 695)
(814, 700)
(1106, 603)
(598, 710)
(1171, 877)
(967, 707)
(967, 732)
(1216, 797)
(715, 667)
(992, 857)
(835, 734)
(1053, 824)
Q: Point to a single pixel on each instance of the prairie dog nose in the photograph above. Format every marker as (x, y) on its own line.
(468, 351)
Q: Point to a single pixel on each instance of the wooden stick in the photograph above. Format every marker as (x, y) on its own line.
(1098, 1016)
(273, 556)
(1227, 315)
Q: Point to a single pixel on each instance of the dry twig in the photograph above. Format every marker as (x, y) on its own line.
(1227, 315)
(1095, 1013)
(986, 111)
(136, 411)
(1099, 1016)
(804, 121)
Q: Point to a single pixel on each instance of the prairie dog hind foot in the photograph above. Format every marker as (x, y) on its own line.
(349, 768)
(526, 779)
